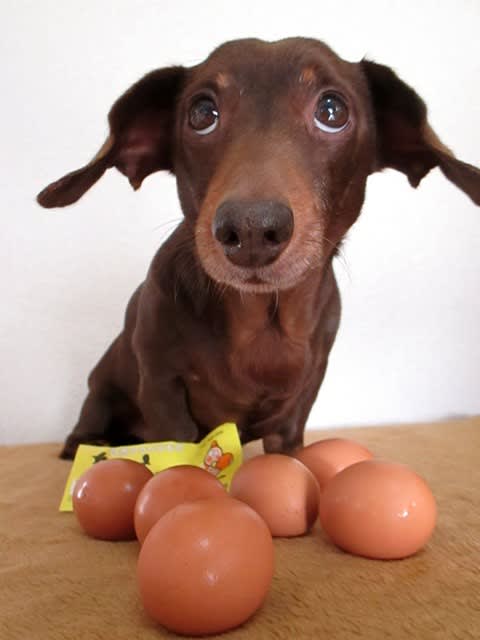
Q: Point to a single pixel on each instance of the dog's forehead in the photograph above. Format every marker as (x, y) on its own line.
(256, 62)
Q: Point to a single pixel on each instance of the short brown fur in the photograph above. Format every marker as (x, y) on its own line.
(214, 335)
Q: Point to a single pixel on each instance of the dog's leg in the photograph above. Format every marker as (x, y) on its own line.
(94, 422)
(290, 437)
(281, 433)
(92, 425)
(164, 407)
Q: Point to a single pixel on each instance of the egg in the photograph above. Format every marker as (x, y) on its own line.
(205, 566)
(325, 458)
(169, 488)
(281, 490)
(104, 498)
(378, 509)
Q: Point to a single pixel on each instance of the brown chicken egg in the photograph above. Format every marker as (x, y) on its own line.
(206, 566)
(325, 458)
(170, 488)
(104, 498)
(378, 510)
(281, 490)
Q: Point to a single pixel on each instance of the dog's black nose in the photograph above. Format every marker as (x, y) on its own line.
(253, 234)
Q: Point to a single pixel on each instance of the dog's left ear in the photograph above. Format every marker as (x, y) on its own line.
(406, 141)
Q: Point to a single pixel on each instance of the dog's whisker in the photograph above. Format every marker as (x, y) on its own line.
(275, 303)
(342, 259)
(165, 223)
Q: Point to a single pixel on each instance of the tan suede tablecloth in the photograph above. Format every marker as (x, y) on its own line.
(55, 583)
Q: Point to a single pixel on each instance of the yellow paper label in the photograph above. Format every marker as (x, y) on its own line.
(220, 453)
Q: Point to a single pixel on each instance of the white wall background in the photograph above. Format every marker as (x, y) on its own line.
(409, 345)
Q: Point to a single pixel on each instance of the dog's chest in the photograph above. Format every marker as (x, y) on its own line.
(254, 369)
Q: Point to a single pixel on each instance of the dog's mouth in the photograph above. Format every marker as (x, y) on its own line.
(255, 284)
(267, 279)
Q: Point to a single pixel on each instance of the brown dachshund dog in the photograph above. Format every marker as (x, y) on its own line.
(271, 145)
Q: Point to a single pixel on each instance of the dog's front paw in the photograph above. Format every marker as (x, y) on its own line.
(281, 443)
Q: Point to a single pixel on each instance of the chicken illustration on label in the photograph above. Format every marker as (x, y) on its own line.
(216, 460)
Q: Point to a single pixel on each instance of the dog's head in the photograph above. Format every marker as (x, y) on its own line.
(272, 144)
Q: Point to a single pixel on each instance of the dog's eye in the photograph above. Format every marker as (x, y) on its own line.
(203, 116)
(331, 114)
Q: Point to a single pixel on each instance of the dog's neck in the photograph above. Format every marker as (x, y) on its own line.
(289, 313)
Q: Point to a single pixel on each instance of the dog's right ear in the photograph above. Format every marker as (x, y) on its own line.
(140, 142)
